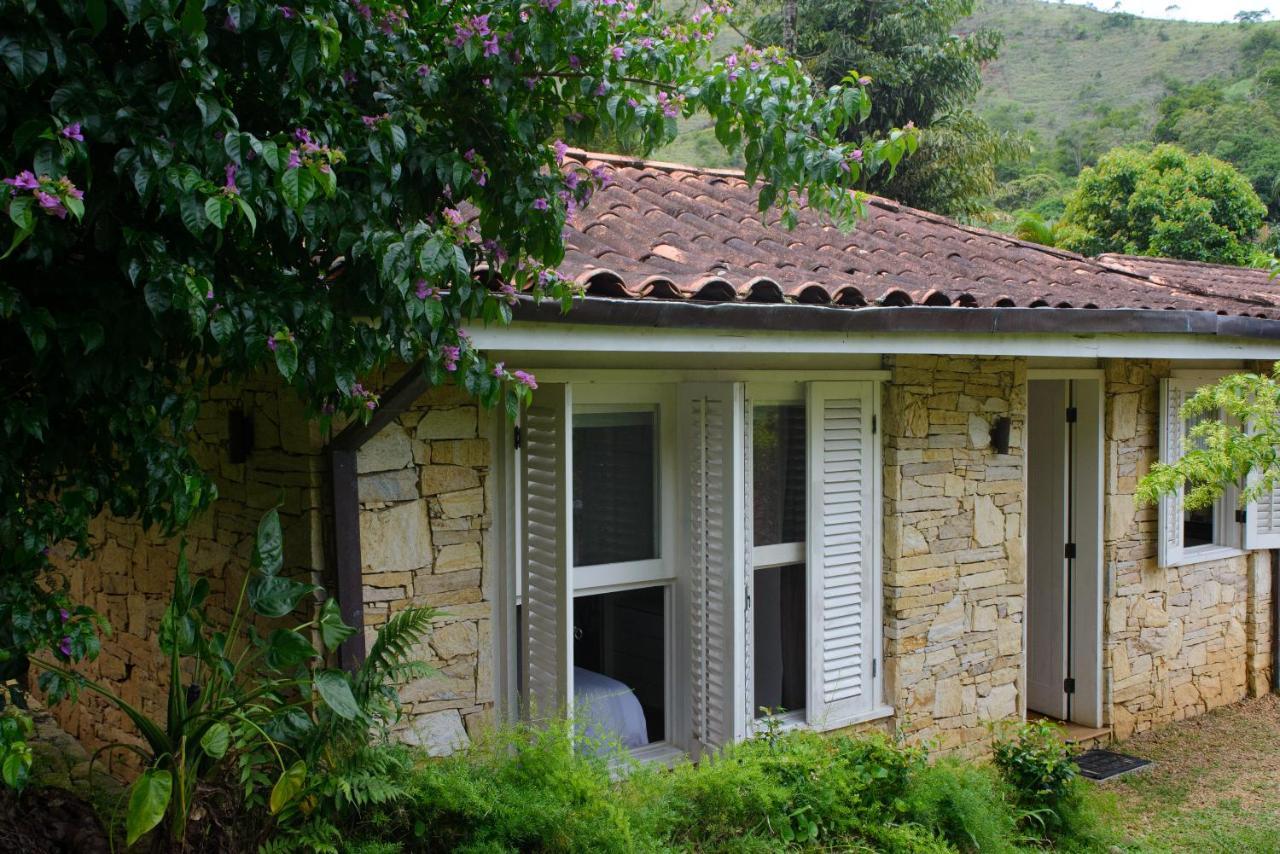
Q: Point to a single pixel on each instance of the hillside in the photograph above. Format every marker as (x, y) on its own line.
(1060, 62)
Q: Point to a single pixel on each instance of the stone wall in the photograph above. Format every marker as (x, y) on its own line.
(424, 514)
(1182, 640)
(129, 577)
(954, 560)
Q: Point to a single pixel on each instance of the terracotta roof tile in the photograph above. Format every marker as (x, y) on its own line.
(665, 231)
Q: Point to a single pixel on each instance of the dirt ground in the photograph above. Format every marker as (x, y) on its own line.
(1215, 786)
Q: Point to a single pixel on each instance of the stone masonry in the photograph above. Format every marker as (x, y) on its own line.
(129, 577)
(424, 513)
(1182, 640)
(954, 562)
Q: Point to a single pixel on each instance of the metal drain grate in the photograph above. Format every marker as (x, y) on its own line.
(1100, 764)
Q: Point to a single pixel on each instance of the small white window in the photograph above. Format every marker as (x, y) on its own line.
(1205, 533)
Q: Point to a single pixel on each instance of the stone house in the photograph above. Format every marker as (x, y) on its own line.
(883, 478)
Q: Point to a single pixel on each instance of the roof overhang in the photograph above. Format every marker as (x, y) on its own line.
(601, 325)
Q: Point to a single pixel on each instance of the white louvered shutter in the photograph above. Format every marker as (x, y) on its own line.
(1172, 395)
(843, 612)
(714, 507)
(546, 539)
(1262, 519)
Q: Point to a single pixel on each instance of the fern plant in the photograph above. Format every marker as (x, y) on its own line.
(354, 767)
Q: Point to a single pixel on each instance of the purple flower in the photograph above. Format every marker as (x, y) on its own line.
(469, 155)
(423, 291)
(450, 354)
(208, 294)
(302, 135)
(491, 46)
(295, 160)
(230, 185)
(498, 370)
(371, 405)
(539, 204)
(601, 89)
(571, 179)
(370, 121)
(51, 204)
(549, 5)
(602, 175)
(349, 77)
(365, 11)
(24, 180)
(452, 216)
(574, 62)
(856, 155)
(480, 23)
(618, 53)
(424, 70)
(561, 148)
(525, 379)
(479, 177)
(64, 646)
(286, 12)
(271, 344)
(864, 80)
(72, 131)
(64, 614)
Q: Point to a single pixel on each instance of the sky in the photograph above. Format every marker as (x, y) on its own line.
(1188, 10)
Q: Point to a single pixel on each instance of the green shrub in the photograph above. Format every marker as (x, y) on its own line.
(968, 805)
(1038, 767)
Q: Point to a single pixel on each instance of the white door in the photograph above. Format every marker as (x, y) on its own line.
(1047, 461)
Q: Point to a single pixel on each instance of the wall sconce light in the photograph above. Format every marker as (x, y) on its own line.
(1000, 435)
(239, 435)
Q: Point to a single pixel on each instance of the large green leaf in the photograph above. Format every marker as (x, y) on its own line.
(148, 800)
(216, 740)
(287, 648)
(288, 786)
(334, 688)
(333, 630)
(268, 548)
(273, 596)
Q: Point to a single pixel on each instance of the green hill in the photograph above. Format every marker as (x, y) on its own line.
(1061, 63)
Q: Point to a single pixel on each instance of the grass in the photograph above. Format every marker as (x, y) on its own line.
(1215, 786)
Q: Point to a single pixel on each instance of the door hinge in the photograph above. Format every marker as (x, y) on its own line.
(1072, 414)
(1069, 685)
(517, 437)
(1070, 551)
(1242, 516)
(874, 425)
(875, 667)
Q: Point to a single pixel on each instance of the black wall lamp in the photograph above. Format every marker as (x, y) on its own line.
(1000, 434)
(239, 435)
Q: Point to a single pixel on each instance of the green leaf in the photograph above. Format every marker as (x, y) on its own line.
(148, 800)
(192, 20)
(21, 211)
(96, 12)
(288, 787)
(268, 547)
(216, 740)
(287, 648)
(286, 354)
(333, 630)
(217, 209)
(192, 214)
(247, 210)
(334, 687)
(273, 596)
(298, 187)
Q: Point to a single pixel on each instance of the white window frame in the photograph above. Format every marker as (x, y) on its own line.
(1229, 533)
(773, 555)
(605, 388)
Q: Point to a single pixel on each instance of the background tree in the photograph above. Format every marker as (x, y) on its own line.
(199, 189)
(1163, 202)
(919, 72)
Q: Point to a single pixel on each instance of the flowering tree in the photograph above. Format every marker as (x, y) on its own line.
(198, 189)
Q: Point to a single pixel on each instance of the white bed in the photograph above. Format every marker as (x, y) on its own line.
(609, 709)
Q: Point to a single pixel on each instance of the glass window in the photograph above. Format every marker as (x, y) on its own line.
(620, 665)
(780, 639)
(778, 473)
(1200, 526)
(614, 487)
